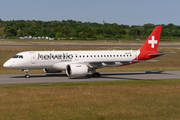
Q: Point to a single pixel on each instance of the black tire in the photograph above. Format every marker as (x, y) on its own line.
(27, 76)
(96, 75)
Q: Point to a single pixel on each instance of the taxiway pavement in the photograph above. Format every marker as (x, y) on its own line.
(105, 76)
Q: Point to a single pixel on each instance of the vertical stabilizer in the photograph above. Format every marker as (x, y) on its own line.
(151, 44)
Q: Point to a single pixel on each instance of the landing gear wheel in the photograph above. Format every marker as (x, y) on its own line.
(96, 75)
(27, 76)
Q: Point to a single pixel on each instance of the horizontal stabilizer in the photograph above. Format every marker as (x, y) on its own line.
(160, 53)
(146, 61)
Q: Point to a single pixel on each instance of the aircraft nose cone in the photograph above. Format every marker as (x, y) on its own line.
(7, 64)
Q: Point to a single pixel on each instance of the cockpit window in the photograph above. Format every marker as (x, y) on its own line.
(18, 56)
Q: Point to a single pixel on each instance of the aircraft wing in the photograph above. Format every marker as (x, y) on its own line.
(130, 61)
(96, 64)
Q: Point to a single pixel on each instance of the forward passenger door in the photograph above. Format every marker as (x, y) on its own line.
(33, 57)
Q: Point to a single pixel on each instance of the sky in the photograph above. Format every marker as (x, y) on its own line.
(128, 12)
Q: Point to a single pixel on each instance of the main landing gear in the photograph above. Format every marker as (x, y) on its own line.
(26, 73)
(94, 73)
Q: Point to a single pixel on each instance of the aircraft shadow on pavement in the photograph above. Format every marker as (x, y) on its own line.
(136, 73)
(41, 75)
(120, 75)
(103, 75)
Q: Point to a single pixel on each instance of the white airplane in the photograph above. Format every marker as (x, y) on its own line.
(79, 63)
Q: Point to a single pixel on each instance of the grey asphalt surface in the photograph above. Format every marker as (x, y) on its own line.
(161, 46)
(105, 76)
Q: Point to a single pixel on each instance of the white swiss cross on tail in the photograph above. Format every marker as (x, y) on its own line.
(152, 42)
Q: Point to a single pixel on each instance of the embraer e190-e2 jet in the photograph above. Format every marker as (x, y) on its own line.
(79, 63)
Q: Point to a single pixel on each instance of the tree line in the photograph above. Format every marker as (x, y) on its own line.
(78, 29)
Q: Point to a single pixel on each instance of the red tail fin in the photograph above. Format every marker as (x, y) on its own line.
(151, 44)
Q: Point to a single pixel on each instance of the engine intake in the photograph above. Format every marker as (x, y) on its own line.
(76, 70)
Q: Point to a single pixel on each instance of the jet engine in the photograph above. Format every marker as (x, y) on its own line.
(76, 70)
(52, 71)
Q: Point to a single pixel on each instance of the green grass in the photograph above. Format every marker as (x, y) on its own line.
(132, 99)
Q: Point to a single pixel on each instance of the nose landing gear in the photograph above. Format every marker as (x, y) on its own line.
(26, 73)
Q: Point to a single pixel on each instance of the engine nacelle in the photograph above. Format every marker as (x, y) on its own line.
(76, 70)
(52, 71)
